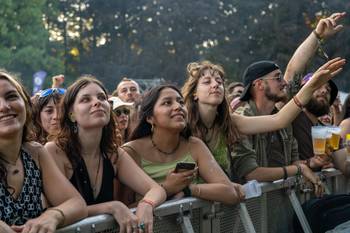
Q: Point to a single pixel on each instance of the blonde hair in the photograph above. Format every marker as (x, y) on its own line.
(223, 121)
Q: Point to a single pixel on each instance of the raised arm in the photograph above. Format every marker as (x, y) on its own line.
(218, 186)
(262, 124)
(325, 29)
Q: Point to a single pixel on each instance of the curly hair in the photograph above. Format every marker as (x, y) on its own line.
(223, 121)
(26, 134)
(67, 139)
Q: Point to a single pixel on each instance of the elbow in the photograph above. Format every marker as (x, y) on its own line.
(233, 197)
(82, 207)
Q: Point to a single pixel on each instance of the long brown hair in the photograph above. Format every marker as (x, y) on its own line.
(39, 134)
(143, 128)
(67, 139)
(26, 134)
(223, 120)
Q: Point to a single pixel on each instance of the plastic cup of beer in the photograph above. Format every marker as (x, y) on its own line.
(319, 137)
(335, 138)
(347, 146)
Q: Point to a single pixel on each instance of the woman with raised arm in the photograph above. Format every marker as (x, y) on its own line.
(209, 116)
(86, 152)
(161, 140)
(27, 171)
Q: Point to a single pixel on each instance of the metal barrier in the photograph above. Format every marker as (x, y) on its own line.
(272, 212)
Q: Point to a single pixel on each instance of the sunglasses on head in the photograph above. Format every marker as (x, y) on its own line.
(124, 111)
(51, 91)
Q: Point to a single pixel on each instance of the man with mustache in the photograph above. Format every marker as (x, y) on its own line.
(319, 105)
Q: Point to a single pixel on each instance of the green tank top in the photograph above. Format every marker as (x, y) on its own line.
(220, 153)
(159, 171)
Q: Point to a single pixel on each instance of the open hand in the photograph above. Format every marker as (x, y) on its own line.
(329, 26)
(325, 73)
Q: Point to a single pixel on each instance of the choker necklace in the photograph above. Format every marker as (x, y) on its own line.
(164, 152)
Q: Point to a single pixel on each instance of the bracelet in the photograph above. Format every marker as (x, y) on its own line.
(199, 191)
(61, 213)
(187, 192)
(297, 102)
(285, 174)
(318, 36)
(149, 202)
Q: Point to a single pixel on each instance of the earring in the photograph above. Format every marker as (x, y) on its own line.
(71, 117)
(195, 96)
(75, 127)
(152, 128)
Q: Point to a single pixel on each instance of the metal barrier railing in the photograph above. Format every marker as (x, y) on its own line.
(254, 215)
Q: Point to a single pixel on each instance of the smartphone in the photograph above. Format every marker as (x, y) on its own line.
(183, 166)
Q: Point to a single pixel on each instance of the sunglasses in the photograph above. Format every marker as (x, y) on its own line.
(124, 111)
(51, 91)
(278, 79)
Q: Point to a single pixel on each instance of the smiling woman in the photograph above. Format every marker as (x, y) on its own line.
(162, 140)
(27, 171)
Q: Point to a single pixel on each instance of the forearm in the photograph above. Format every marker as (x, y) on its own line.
(5, 228)
(340, 161)
(268, 174)
(156, 194)
(301, 57)
(103, 208)
(73, 209)
(224, 193)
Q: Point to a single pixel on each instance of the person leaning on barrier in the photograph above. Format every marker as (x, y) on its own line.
(209, 116)
(274, 155)
(27, 171)
(85, 150)
(162, 139)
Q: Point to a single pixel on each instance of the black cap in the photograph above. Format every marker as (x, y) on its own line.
(253, 72)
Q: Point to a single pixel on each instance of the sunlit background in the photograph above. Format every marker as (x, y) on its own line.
(155, 39)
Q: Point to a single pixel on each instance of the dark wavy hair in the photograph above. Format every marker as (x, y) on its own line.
(26, 134)
(223, 119)
(149, 99)
(39, 134)
(69, 141)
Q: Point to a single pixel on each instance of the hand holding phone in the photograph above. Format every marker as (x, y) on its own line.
(184, 166)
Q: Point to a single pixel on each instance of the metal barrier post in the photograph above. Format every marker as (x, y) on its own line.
(184, 220)
(299, 211)
(245, 218)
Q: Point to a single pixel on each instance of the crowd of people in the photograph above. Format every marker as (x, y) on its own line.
(106, 153)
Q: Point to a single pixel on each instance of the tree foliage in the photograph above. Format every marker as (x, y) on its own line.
(157, 38)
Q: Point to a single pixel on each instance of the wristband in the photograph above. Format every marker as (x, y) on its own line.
(285, 174)
(318, 36)
(149, 202)
(297, 102)
(61, 213)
